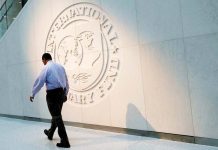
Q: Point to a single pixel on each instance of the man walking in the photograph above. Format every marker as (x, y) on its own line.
(55, 78)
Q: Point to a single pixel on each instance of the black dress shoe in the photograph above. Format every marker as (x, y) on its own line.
(47, 133)
(64, 144)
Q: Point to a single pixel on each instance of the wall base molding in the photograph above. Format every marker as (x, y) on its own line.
(160, 135)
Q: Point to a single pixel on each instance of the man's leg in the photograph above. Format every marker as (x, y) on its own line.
(50, 132)
(55, 104)
(51, 108)
(62, 133)
(61, 128)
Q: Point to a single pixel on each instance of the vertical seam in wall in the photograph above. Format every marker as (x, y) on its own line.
(109, 98)
(186, 65)
(21, 47)
(140, 61)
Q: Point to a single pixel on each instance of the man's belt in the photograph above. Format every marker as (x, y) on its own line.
(55, 90)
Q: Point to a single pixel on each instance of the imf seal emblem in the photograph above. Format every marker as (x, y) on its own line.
(82, 38)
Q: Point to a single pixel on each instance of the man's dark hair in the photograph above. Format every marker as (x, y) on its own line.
(46, 56)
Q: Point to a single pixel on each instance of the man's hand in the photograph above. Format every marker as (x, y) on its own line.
(31, 98)
(65, 98)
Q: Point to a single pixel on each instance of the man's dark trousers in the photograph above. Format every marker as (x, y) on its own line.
(55, 99)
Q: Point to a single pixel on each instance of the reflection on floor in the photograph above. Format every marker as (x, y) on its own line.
(18, 134)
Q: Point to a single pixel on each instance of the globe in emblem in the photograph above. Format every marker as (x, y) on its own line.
(83, 39)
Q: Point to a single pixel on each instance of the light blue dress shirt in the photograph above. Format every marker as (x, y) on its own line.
(53, 75)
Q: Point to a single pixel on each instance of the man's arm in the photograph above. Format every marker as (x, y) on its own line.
(38, 84)
(67, 84)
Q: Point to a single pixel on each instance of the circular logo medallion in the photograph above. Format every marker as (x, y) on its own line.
(82, 38)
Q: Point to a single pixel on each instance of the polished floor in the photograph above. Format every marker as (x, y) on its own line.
(18, 134)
